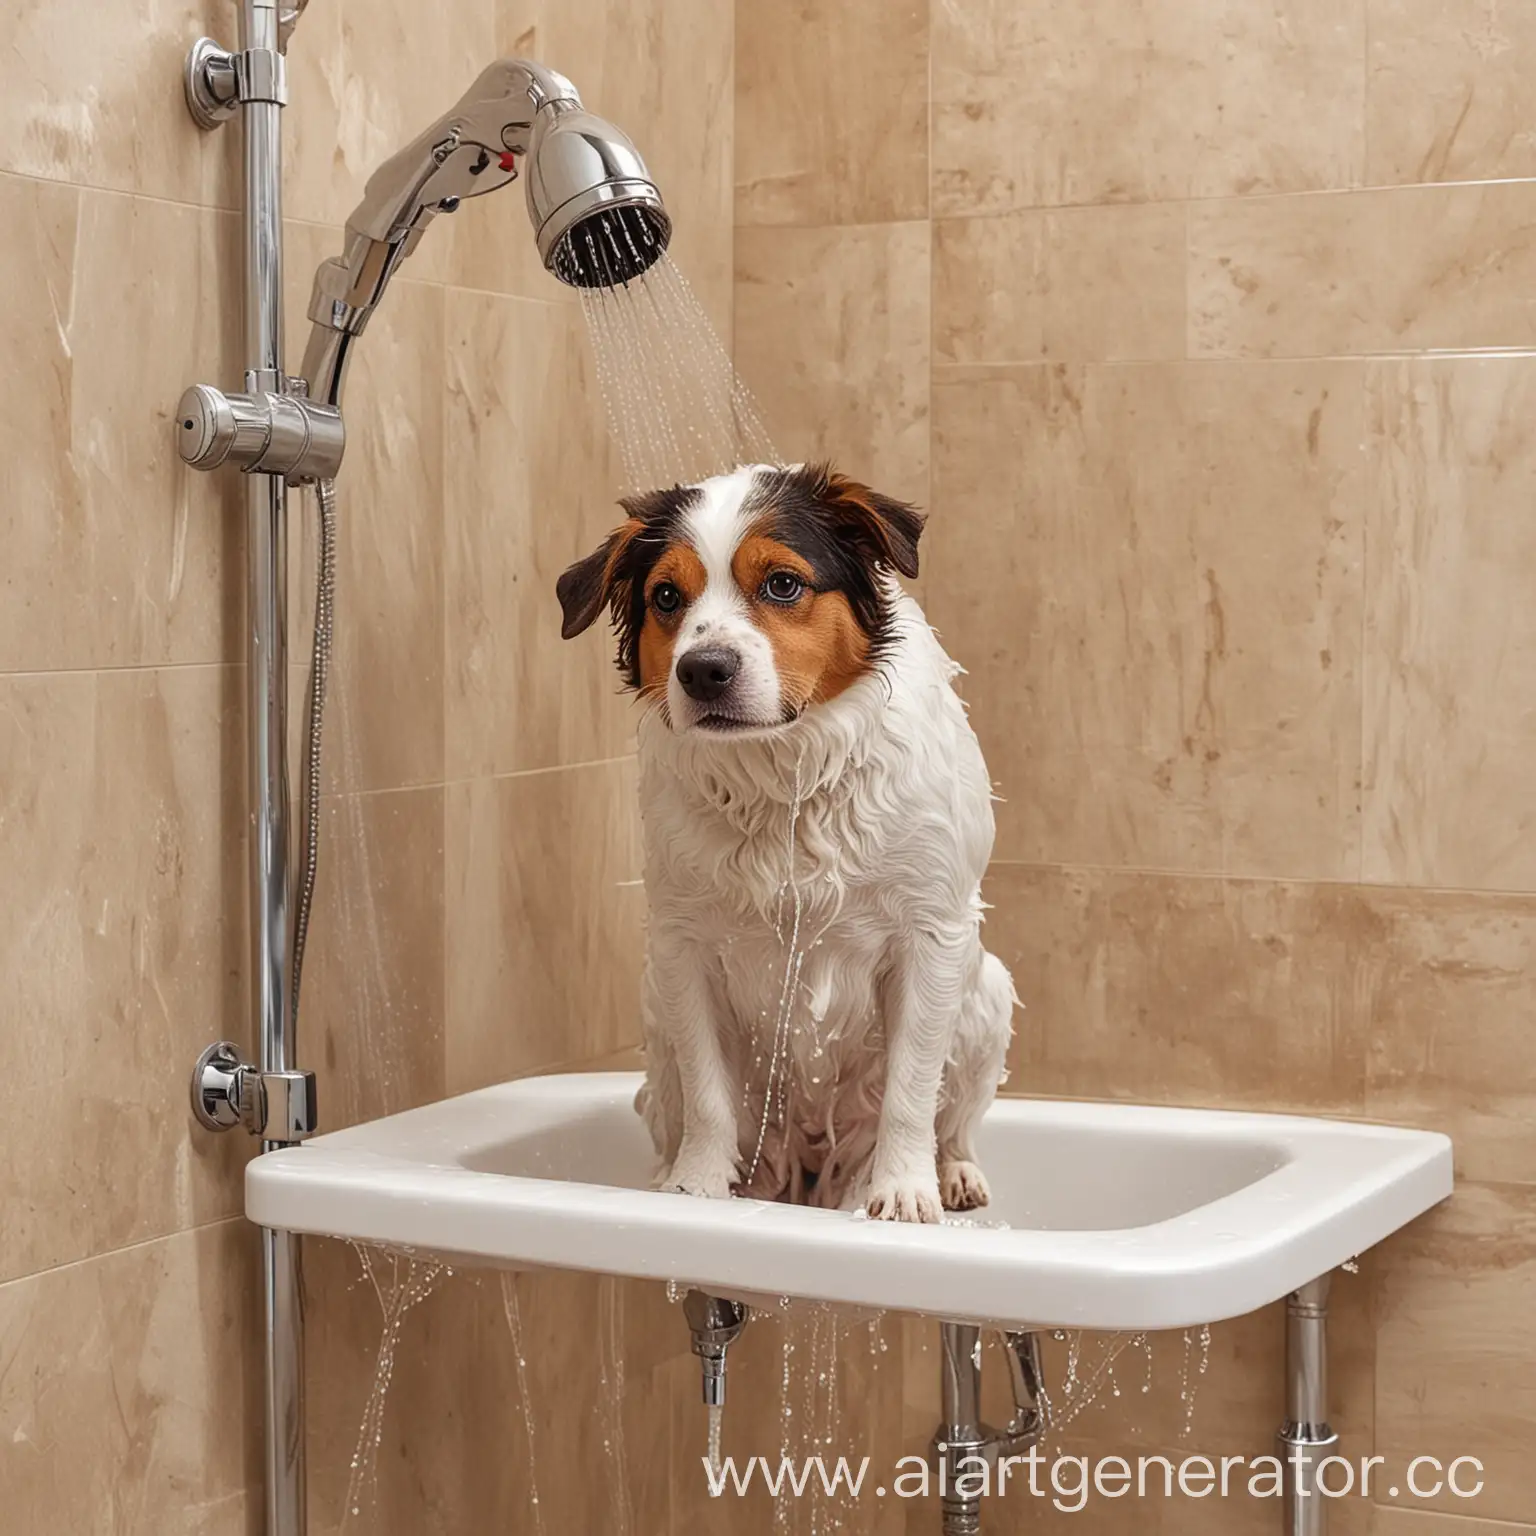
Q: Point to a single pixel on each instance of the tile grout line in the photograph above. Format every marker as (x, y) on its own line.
(112, 1253)
(555, 301)
(950, 373)
(127, 670)
(1228, 877)
(1234, 199)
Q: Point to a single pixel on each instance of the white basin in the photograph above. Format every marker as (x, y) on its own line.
(1118, 1216)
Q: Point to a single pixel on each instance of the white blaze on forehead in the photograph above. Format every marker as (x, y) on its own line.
(721, 615)
(715, 526)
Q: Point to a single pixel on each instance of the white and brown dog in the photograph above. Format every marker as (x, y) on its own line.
(822, 1022)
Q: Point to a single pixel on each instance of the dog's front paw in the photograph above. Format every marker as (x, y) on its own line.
(708, 1175)
(963, 1186)
(913, 1198)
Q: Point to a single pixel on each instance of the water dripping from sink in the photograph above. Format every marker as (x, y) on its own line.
(1082, 1389)
(513, 1314)
(1189, 1381)
(611, 1402)
(400, 1281)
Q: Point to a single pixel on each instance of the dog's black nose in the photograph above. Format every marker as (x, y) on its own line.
(706, 672)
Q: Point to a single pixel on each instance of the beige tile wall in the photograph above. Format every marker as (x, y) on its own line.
(480, 842)
(1221, 401)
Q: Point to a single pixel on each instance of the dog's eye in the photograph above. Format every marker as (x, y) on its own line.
(783, 587)
(666, 598)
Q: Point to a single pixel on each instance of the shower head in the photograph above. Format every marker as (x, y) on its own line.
(597, 216)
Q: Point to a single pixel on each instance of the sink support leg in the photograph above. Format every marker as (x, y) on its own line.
(1306, 1438)
(962, 1439)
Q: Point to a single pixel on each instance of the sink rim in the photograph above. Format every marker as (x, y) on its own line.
(1344, 1186)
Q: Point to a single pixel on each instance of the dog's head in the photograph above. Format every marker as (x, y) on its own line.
(743, 600)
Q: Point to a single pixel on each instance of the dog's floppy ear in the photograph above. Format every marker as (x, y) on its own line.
(887, 528)
(589, 585)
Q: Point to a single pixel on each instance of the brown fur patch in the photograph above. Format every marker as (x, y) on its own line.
(819, 647)
(681, 566)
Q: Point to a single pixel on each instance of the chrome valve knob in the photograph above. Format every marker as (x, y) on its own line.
(269, 434)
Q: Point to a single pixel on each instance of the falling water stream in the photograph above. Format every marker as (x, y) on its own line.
(400, 1282)
(676, 409)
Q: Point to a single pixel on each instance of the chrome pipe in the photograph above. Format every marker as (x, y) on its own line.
(1306, 1438)
(260, 72)
(1026, 1378)
(962, 1437)
(286, 1491)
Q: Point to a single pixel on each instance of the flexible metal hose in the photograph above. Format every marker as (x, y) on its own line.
(314, 721)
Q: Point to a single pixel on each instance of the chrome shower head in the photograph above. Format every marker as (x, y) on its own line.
(597, 215)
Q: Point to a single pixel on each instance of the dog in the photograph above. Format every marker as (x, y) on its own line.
(822, 1023)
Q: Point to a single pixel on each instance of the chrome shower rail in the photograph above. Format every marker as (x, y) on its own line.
(269, 431)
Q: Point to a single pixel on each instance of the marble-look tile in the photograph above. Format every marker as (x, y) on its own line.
(115, 553)
(1388, 1521)
(589, 1346)
(1456, 1355)
(1447, 96)
(92, 95)
(122, 954)
(388, 655)
(832, 112)
(1155, 988)
(1159, 99)
(832, 335)
(388, 665)
(1152, 576)
(130, 1399)
(371, 1018)
(1450, 658)
(545, 910)
(367, 76)
(1392, 270)
(1450, 995)
(529, 488)
(1070, 284)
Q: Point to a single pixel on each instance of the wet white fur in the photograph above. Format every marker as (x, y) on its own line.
(815, 896)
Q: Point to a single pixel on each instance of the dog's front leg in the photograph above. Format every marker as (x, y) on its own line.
(922, 1003)
(683, 1010)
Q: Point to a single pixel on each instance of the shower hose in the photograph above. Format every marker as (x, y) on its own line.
(314, 721)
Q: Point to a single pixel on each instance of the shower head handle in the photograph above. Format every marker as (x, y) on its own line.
(469, 151)
(583, 176)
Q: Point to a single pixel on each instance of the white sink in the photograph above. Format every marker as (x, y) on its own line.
(1118, 1216)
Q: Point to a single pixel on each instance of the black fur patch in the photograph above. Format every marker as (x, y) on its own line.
(850, 535)
(615, 572)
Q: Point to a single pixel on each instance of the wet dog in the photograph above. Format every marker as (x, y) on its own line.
(822, 1022)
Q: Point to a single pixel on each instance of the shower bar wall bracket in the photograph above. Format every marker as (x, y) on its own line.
(227, 1091)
